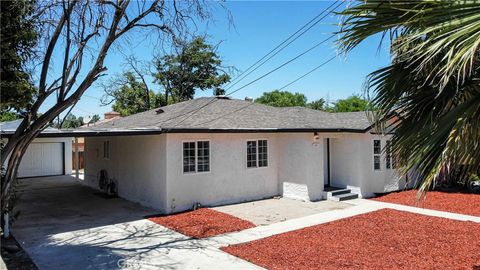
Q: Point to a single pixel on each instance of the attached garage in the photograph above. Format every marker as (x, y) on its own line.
(43, 159)
(44, 156)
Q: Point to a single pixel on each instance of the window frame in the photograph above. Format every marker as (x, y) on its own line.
(379, 163)
(209, 156)
(388, 155)
(106, 145)
(195, 141)
(379, 155)
(257, 153)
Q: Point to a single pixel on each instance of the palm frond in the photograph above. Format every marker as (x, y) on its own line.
(433, 82)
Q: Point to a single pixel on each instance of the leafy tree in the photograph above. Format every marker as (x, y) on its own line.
(128, 95)
(18, 37)
(83, 33)
(8, 116)
(196, 66)
(95, 118)
(279, 98)
(71, 121)
(432, 82)
(351, 104)
(318, 104)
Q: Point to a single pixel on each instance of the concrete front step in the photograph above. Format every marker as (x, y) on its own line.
(339, 192)
(344, 197)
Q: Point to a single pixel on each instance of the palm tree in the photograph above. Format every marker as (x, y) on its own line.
(432, 83)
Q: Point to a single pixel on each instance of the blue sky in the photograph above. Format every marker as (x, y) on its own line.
(259, 26)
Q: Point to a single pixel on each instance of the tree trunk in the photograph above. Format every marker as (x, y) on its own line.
(14, 160)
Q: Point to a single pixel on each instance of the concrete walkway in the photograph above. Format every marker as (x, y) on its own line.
(64, 225)
(417, 210)
(270, 211)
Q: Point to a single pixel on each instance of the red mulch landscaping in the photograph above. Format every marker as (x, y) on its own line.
(383, 239)
(202, 223)
(462, 203)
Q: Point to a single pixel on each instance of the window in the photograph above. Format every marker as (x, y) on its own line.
(390, 160)
(262, 153)
(251, 154)
(203, 156)
(188, 157)
(377, 150)
(388, 163)
(376, 162)
(257, 153)
(196, 156)
(106, 149)
(377, 147)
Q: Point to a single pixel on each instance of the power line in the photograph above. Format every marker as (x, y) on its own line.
(242, 76)
(304, 75)
(282, 65)
(308, 73)
(190, 113)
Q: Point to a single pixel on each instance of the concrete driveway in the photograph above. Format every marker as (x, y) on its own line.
(64, 225)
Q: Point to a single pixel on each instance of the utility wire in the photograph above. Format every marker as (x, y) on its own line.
(192, 112)
(304, 75)
(282, 65)
(308, 73)
(270, 55)
(257, 79)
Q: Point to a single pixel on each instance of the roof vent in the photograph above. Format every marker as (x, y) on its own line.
(222, 97)
(159, 111)
(250, 99)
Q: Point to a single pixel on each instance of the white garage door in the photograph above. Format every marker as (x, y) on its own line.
(42, 159)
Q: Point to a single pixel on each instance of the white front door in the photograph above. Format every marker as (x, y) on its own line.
(42, 159)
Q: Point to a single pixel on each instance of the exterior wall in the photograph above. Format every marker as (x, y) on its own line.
(149, 169)
(136, 163)
(229, 179)
(352, 165)
(300, 170)
(67, 141)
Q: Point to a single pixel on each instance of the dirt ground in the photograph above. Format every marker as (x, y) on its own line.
(202, 223)
(450, 201)
(14, 256)
(383, 239)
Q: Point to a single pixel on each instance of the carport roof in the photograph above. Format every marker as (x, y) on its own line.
(221, 114)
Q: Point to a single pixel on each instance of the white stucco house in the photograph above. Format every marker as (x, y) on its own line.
(44, 156)
(219, 150)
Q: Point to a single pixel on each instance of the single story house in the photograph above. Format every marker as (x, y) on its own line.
(44, 156)
(219, 150)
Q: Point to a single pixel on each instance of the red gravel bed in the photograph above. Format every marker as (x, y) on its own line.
(467, 204)
(383, 239)
(202, 223)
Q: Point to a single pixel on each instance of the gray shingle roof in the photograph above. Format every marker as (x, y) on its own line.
(213, 113)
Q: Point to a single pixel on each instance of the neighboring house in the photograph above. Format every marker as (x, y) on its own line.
(219, 150)
(109, 116)
(44, 156)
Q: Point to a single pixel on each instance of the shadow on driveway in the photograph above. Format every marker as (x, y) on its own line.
(64, 225)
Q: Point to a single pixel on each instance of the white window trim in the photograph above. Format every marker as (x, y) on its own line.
(196, 156)
(246, 154)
